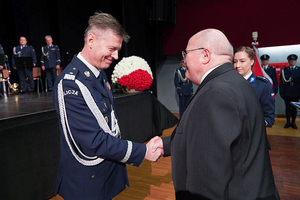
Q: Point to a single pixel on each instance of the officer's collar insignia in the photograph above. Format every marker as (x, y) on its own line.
(106, 119)
(252, 79)
(87, 73)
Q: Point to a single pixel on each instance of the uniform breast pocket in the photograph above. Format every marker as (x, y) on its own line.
(102, 105)
(104, 109)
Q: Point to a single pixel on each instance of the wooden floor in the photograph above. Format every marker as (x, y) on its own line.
(153, 181)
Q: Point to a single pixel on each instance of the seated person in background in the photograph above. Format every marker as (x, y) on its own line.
(244, 60)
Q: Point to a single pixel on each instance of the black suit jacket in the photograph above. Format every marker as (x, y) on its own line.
(219, 148)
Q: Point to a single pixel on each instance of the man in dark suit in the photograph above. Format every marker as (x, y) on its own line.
(50, 61)
(270, 70)
(24, 69)
(289, 88)
(93, 157)
(219, 148)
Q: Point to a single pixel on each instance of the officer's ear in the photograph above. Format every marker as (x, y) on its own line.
(90, 40)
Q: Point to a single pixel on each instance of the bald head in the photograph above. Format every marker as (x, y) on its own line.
(215, 41)
(205, 50)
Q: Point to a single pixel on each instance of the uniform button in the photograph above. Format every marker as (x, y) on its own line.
(93, 176)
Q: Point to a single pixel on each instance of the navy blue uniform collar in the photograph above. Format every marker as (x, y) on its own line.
(252, 78)
(88, 75)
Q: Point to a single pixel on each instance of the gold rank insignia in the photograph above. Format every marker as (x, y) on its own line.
(106, 119)
(87, 73)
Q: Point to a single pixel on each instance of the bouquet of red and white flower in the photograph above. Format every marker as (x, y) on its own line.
(132, 73)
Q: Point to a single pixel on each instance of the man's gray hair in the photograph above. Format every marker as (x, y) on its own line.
(48, 36)
(103, 22)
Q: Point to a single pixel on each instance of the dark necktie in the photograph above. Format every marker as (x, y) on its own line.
(100, 77)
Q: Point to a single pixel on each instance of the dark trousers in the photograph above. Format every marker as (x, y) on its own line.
(183, 101)
(51, 77)
(289, 109)
(23, 73)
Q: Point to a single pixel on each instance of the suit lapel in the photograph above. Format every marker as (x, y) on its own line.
(216, 72)
(213, 74)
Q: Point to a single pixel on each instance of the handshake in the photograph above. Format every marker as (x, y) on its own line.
(154, 149)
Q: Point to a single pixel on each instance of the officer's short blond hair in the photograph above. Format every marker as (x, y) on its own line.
(102, 22)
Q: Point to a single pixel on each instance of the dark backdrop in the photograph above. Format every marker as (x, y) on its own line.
(66, 21)
(276, 21)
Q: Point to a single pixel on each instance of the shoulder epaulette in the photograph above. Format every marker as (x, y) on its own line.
(264, 79)
(71, 73)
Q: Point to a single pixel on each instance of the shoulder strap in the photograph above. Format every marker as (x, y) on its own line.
(115, 131)
(284, 78)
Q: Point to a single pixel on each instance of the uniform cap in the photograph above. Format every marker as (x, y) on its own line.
(292, 57)
(265, 57)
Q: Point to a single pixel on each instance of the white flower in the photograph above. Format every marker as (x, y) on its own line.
(128, 65)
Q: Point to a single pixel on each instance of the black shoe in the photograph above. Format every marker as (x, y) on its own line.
(294, 126)
(287, 125)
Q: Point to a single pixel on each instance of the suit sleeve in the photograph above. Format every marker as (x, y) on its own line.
(91, 139)
(213, 131)
(167, 143)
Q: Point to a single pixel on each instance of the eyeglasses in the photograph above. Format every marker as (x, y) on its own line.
(184, 53)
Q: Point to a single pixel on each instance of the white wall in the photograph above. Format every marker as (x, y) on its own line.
(166, 91)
